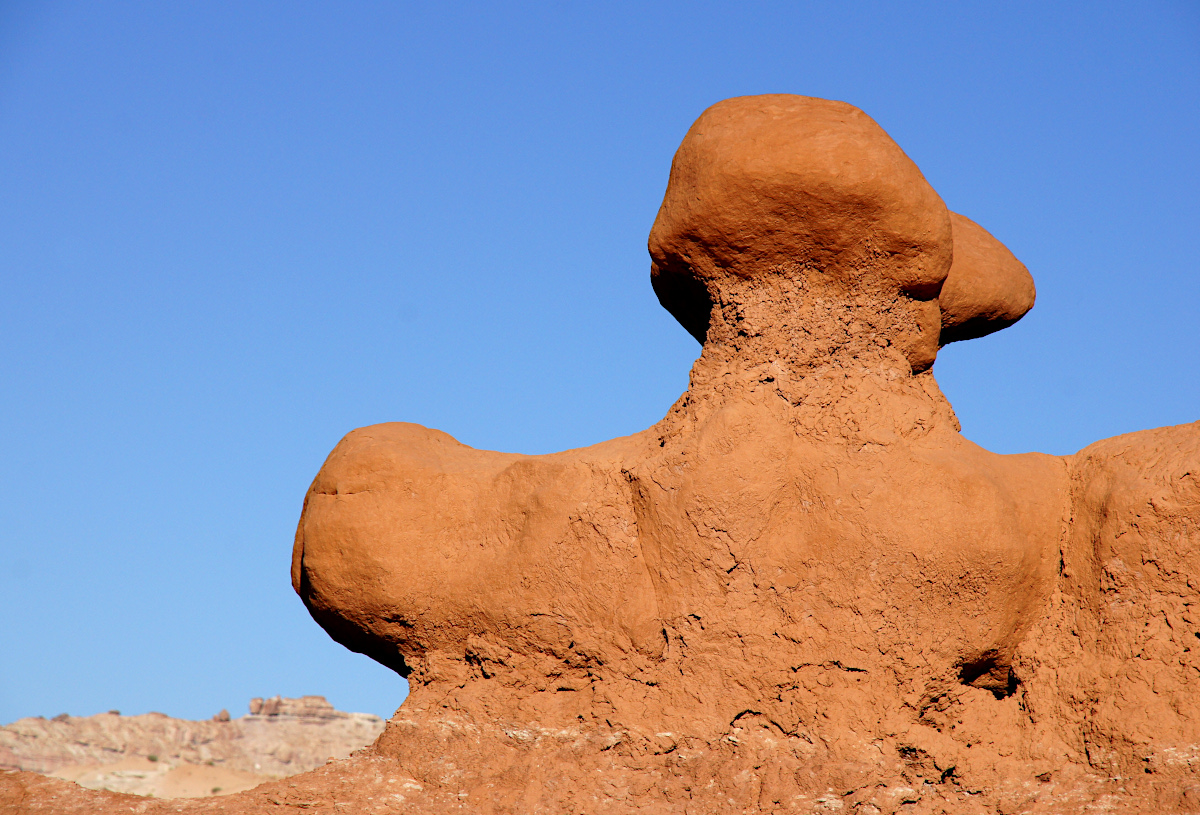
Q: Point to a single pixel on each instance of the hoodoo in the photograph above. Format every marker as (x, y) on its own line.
(802, 590)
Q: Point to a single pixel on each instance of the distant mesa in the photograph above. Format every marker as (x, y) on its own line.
(307, 707)
(157, 755)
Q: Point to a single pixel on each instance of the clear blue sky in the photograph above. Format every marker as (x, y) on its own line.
(232, 232)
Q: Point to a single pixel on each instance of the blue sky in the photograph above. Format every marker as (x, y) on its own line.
(232, 232)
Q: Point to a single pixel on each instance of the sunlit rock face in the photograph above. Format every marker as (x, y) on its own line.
(807, 504)
(804, 565)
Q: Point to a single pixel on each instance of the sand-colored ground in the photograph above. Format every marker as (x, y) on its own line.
(140, 776)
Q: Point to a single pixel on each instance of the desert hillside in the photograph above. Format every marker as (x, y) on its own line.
(154, 754)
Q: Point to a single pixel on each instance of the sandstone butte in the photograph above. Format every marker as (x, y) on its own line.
(802, 590)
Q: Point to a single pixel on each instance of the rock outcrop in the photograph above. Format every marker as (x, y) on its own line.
(802, 590)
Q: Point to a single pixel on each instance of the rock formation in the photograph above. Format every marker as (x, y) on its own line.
(802, 590)
(146, 754)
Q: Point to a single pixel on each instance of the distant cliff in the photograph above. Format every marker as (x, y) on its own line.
(280, 737)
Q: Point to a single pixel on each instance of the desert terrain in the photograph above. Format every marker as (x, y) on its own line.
(156, 755)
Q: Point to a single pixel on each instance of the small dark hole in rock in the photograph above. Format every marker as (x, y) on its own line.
(986, 673)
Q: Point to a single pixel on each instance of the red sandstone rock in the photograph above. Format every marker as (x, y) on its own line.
(987, 288)
(802, 590)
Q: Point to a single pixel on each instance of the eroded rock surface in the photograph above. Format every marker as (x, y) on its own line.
(802, 590)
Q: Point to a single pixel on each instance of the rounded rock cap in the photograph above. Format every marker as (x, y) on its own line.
(783, 184)
(987, 289)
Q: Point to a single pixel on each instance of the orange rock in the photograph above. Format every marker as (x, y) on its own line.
(812, 444)
(987, 288)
